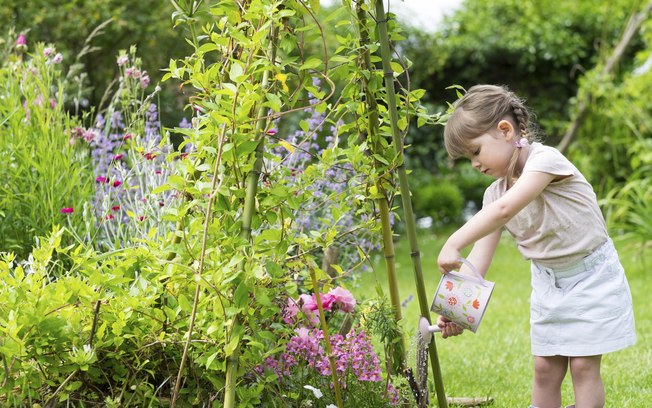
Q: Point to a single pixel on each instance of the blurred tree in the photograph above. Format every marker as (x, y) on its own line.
(539, 49)
(67, 24)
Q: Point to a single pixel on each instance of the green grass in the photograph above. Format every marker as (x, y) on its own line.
(496, 361)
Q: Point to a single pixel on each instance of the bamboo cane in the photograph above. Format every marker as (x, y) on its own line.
(232, 361)
(405, 195)
(399, 354)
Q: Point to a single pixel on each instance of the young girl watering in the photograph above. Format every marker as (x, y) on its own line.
(580, 306)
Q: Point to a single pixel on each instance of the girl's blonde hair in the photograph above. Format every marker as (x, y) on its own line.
(479, 112)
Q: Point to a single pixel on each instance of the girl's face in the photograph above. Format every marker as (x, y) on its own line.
(492, 151)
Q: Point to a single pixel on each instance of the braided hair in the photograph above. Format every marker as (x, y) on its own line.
(478, 112)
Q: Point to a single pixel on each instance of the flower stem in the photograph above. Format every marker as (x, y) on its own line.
(327, 339)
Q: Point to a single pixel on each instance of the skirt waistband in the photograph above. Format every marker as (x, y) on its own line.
(598, 256)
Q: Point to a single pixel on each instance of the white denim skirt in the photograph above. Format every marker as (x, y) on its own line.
(584, 309)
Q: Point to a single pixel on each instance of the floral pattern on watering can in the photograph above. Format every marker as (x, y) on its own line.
(462, 298)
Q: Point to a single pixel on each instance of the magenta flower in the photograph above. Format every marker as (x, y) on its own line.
(127, 136)
(116, 208)
(67, 210)
(271, 132)
(21, 42)
(118, 156)
(343, 298)
(109, 217)
(101, 179)
(117, 183)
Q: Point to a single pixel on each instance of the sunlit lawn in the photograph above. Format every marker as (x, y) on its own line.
(496, 361)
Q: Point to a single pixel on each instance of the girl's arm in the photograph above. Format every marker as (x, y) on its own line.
(482, 253)
(492, 217)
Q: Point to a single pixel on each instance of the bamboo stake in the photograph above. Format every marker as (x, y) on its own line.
(405, 195)
(327, 339)
(633, 25)
(399, 353)
(232, 361)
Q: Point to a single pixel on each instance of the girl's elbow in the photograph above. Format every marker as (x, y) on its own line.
(504, 213)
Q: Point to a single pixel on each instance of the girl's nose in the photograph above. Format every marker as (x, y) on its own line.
(475, 163)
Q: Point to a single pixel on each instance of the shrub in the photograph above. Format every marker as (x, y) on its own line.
(44, 180)
(440, 199)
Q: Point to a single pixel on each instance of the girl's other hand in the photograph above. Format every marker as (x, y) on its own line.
(449, 260)
(448, 328)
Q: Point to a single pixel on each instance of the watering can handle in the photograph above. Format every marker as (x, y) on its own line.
(472, 268)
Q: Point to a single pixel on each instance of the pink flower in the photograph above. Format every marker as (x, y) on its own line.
(290, 311)
(109, 217)
(122, 60)
(303, 333)
(47, 51)
(67, 210)
(89, 135)
(129, 72)
(271, 132)
(141, 218)
(117, 183)
(144, 81)
(327, 300)
(21, 42)
(343, 298)
(118, 156)
(101, 179)
(127, 136)
(116, 208)
(57, 58)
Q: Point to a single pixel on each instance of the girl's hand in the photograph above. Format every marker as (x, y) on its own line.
(449, 259)
(448, 328)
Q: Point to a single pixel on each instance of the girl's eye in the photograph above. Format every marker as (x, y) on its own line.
(476, 152)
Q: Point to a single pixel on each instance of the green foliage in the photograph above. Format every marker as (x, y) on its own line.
(612, 147)
(538, 48)
(42, 172)
(145, 24)
(440, 199)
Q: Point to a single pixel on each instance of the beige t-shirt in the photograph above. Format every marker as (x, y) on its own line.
(564, 223)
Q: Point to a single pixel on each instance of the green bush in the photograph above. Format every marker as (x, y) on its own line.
(43, 178)
(146, 24)
(440, 199)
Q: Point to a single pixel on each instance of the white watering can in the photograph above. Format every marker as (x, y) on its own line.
(460, 298)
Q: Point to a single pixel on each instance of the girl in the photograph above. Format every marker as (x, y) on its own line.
(580, 306)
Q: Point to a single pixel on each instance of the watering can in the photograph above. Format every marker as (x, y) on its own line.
(460, 298)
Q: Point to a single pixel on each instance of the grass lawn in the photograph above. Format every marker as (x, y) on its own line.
(496, 361)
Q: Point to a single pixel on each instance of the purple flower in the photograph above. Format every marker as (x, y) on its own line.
(123, 60)
(47, 51)
(57, 58)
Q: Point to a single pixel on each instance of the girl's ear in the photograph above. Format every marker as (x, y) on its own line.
(506, 129)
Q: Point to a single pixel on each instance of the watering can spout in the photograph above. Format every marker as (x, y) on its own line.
(426, 329)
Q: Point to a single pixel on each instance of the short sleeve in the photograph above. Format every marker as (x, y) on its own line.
(549, 160)
(492, 193)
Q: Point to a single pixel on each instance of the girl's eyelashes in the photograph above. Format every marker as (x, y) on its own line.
(476, 151)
